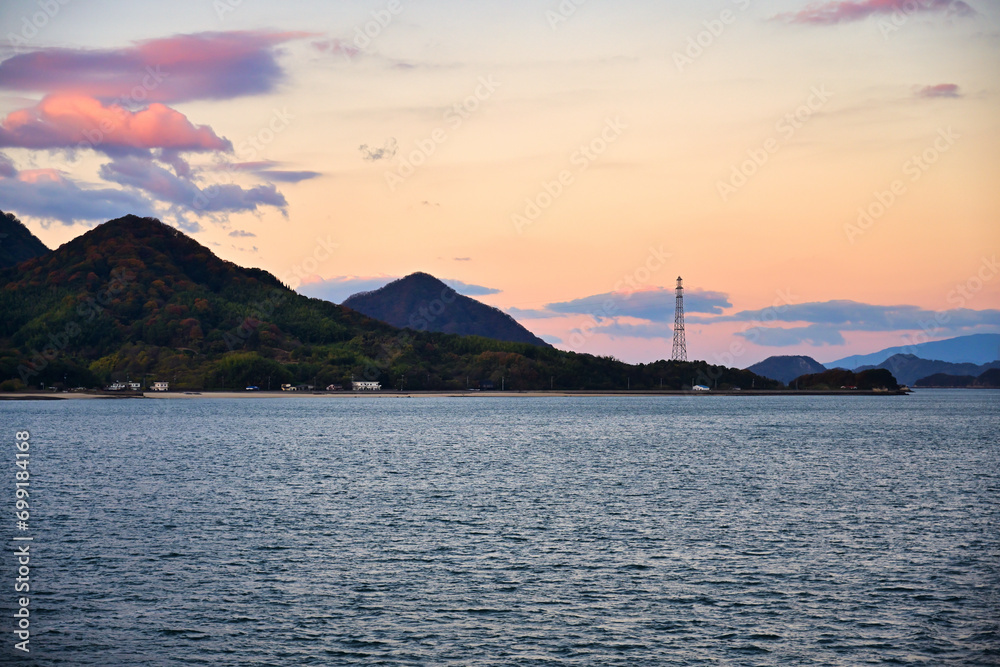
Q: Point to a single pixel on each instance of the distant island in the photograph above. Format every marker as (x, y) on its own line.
(137, 300)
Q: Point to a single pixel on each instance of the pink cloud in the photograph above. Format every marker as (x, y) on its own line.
(209, 65)
(833, 12)
(78, 121)
(940, 90)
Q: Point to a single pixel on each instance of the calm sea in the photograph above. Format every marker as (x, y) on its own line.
(510, 531)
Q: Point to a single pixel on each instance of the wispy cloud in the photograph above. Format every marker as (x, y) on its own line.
(940, 90)
(166, 186)
(837, 11)
(844, 315)
(386, 151)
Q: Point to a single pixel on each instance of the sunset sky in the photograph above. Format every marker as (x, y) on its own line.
(824, 175)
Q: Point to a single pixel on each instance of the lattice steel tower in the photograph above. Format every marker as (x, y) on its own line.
(680, 351)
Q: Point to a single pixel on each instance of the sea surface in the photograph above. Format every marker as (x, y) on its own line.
(510, 531)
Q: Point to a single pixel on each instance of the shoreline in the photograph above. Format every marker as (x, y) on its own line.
(534, 393)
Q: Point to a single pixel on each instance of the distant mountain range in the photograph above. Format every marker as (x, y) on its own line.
(972, 349)
(988, 380)
(908, 368)
(786, 368)
(422, 302)
(17, 243)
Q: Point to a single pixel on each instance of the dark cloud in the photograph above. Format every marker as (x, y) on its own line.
(47, 194)
(239, 233)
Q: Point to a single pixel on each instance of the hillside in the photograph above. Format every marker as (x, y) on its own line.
(972, 349)
(136, 297)
(945, 380)
(988, 380)
(786, 368)
(423, 303)
(838, 378)
(17, 243)
(908, 368)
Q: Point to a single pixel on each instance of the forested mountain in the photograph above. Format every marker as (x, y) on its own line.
(422, 302)
(17, 243)
(135, 296)
(838, 378)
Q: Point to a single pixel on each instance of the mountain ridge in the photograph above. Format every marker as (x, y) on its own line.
(974, 348)
(909, 368)
(17, 243)
(422, 302)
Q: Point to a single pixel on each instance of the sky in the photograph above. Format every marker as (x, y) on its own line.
(823, 175)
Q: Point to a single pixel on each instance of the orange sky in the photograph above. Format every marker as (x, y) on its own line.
(746, 159)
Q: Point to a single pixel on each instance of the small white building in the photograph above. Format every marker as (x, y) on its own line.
(366, 386)
(700, 387)
(161, 386)
(117, 386)
(135, 386)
